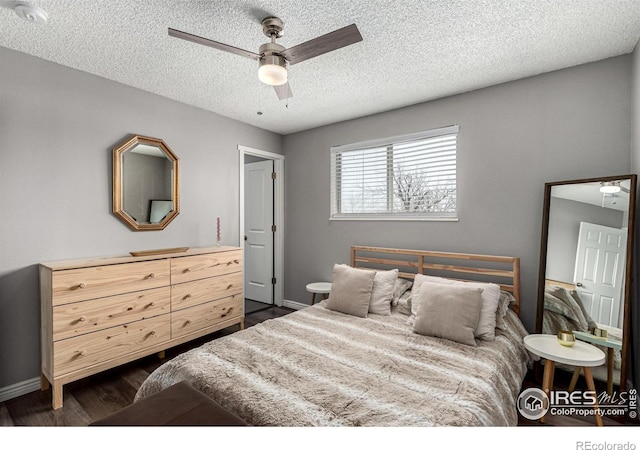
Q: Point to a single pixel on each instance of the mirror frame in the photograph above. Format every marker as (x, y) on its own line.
(626, 326)
(118, 201)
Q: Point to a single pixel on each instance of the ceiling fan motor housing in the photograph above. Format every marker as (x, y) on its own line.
(270, 53)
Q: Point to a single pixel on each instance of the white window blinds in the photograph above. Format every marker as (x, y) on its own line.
(405, 177)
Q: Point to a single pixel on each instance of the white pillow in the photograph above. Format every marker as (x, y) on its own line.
(486, 328)
(384, 284)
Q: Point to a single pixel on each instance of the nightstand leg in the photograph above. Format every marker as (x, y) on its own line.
(574, 378)
(609, 370)
(313, 298)
(547, 380)
(592, 387)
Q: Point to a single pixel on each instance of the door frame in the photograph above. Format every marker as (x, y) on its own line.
(278, 214)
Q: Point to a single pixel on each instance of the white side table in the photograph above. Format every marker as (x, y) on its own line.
(581, 355)
(319, 288)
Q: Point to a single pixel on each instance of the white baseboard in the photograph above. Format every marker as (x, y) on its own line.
(18, 389)
(294, 305)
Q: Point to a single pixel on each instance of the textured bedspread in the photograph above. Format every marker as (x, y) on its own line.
(317, 367)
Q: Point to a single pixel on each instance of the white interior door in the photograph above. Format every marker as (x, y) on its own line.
(600, 265)
(258, 220)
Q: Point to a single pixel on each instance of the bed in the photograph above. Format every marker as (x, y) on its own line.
(322, 367)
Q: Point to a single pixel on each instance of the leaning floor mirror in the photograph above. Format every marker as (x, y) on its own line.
(586, 257)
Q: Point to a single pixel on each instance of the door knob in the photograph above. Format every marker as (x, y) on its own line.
(245, 238)
(579, 284)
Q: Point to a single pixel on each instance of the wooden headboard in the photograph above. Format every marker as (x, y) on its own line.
(501, 270)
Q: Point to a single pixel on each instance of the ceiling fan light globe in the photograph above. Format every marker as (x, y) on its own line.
(272, 74)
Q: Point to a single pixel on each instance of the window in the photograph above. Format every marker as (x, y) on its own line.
(399, 178)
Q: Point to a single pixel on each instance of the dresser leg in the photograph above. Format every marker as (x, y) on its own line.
(242, 323)
(592, 387)
(161, 355)
(547, 380)
(56, 394)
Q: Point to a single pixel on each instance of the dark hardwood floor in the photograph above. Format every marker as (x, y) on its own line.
(100, 395)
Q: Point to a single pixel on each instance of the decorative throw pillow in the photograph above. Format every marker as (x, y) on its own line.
(486, 329)
(350, 290)
(384, 283)
(448, 311)
(402, 286)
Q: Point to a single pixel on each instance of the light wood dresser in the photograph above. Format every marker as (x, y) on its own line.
(103, 312)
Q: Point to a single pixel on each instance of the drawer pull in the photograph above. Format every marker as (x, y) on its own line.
(151, 275)
(229, 287)
(79, 286)
(186, 297)
(187, 270)
(152, 304)
(227, 313)
(83, 318)
(81, 353)
(152, 333)
(187, 322)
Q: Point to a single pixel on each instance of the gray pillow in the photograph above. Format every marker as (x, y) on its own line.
(350, 290)
(448, 311)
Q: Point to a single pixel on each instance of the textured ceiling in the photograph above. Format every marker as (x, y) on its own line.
(413, 51)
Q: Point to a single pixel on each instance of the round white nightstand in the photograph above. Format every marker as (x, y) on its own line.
(581, 355)
(320, 287)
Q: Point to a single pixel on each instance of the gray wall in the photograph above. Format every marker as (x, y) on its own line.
(564, 227)
(513, 138)
(57, 129)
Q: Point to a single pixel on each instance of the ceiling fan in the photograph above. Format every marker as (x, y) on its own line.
(273, 58)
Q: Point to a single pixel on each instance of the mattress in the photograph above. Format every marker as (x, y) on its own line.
(318, 367)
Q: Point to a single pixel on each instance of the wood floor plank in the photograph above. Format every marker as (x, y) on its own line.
(34, 409)
(5, 418)
(105, 397)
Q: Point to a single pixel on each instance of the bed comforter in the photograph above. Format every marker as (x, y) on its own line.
(317, 367)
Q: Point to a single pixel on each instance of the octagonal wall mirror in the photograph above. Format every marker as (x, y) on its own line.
(146, 193)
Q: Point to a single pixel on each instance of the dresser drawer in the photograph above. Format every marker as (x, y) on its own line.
(89, 349)
(190, 268)
(206, 315)
(193, 293)
(103, 281)
(75, 319)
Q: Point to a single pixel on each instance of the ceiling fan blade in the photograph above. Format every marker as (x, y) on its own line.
(209, 43)
(323, 44)
(283, 91)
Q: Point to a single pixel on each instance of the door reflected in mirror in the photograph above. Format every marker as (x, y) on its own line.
(585, 257)
(145, 183)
